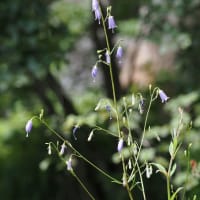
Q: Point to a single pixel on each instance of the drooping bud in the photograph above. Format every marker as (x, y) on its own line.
(28, 127)
(69, 164)
(49, 149)
(119, 54)
(107, 57)
(120, 145)
(149, 170)
(111, 23)
(90, 136)
(163, 96)
(63, 147)
(95, 5)
(94, 72)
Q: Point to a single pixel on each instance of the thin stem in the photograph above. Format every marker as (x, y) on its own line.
(115, 100)
(129, 191)
(82, 185)
(168, 188)
(187, 174)
(74, 175)
(138, 167)
(168, 178)
(79, 154)
(145, 122)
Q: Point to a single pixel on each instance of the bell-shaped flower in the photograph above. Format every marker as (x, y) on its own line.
(107, 57)
(69, 164)
(49, 149)
(95, 5)
(94, 72)
(111, 23)
(163, 96)
(28, 127)
(120, 145)
(119, 53)
(97, 14)
(149, 170)
(63, 147)
(96, 9)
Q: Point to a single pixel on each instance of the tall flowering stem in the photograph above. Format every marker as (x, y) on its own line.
(115, 100)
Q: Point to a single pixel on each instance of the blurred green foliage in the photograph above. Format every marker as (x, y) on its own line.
(35, 38)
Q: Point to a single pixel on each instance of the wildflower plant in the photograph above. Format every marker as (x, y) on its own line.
(128, 147)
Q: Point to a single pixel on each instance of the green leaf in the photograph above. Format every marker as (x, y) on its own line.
(195, 197)
(173, 169)
(160, 168)
(171, 149)
(174, 195)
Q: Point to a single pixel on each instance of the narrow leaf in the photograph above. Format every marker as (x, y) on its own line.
(160, 168)
(171, 149)
(174, 195)
(173, 169)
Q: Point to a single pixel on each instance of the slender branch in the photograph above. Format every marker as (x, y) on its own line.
(78, 153)
(82, 185)
(115, 100)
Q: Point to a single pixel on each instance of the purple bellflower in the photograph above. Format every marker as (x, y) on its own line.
(111, 23)
(119, 53)
(97, 14)
(96, 9)
(120, 145)
(107, 57)
(163, 96)
(94, 72)
(95, 5)
(28, 127)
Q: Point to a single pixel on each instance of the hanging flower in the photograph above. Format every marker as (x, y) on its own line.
(149, 170)
(163, 96)
(69, 164)
(28, 127)
(76, 127)
(94, 72)
(97, 14)
(119, 53)
(62, 150)
(111, 23)
(49, 149)
(90, 136)
(107, 57)
(120, 145)
(96, 9)
(95, 5)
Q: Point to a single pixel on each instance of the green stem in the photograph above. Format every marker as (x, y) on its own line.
(73, 173)
(82, 185)
(138, 167)
(187, 174)
(79, 154)
(168, 178)
(145, 122)
(115, 100)
(168, 188)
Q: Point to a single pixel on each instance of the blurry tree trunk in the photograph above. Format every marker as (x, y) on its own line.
(67, 105)
(41, 88)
